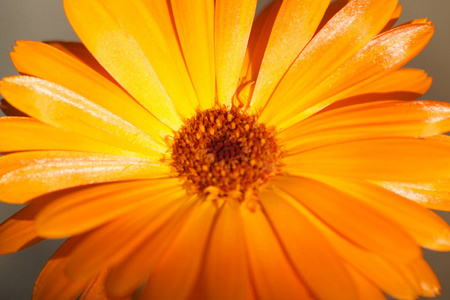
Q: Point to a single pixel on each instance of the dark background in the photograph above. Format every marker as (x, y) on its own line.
(45, 20)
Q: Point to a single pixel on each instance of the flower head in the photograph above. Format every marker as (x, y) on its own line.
(189, 152)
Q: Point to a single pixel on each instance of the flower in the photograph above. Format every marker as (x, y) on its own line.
(202, 155)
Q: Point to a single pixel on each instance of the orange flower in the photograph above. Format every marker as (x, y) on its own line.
(188, 152)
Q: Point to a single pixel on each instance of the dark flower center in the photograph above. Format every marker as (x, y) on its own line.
(225, 152)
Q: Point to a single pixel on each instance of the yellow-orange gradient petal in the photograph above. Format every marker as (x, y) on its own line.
(233, 21)
(110, 29)
(226, 274)
(196, 33)
(53, 282)
(390, 159)
(57, 106)
(21, 134)
(351, 218)
(293, 28)
(47, 171)
(386, 53)
(368, 121)
(377, 269)
(427, 229)
(178, 269)
(309, 252)
(343, 36)
(80, 211)
(266, 258)
(127, 276)
(46, 62)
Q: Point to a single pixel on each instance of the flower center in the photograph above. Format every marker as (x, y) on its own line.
(225, 153)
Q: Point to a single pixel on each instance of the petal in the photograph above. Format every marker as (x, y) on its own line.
(293, 28)
(365, 288)
(428, 281)
(196, 33)
(127, 276)
(390, 159)
(47, 62)
(233, 21)
(52, 282)
(80, 211)
(377, 269)
(386, 53)
(62, 108)
(139, 50)
(403, 84)
(272, 272)
(351, 218)
(342, 37)
(178, 269)
(9, 110)
(21, 134)
(367, 121)
(95, 290)
(48, 171)
(427, 229)
(311, 254)
(114, 242)
(226, 274)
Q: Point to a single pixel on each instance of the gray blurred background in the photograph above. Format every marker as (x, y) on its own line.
(45, 20)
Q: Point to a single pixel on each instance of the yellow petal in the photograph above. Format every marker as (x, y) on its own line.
(52, 282)
(196, 33)
(48, 171)
(390, 159)
(367, 121)
(293, 28)
(83, 210)
(351, 218)
(47, 62)
(111, 28)
(226, 273)
(384, 54)
(178, 269)
(21, 134)
(310, 253)
(377, 269)
(233, 21)
(342, 37)
(427, 229)
(126, 277)
(273, 275)
(62, 108)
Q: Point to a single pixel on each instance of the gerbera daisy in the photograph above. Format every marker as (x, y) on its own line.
(189, 152)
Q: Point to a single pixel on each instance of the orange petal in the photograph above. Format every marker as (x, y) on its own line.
(47, 62)
(386, 53)
(62, 108)
(367, 121)
(403, 84)
(111, 28)
(365, 288)
(21, 134)
(126, 277)
(375, 268)
(226, 273)
(9, 110)
(310, 253)
(178, 269)
(351, 218)
(80, 211)
(48, 171)
(272, 273)
(342, 37)
(390, 159)
(233, 21)
(394, 18)
(429, 283)
(196, 33)
(427, 229)
(294, 26)
(95, 290)
(52, 282)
